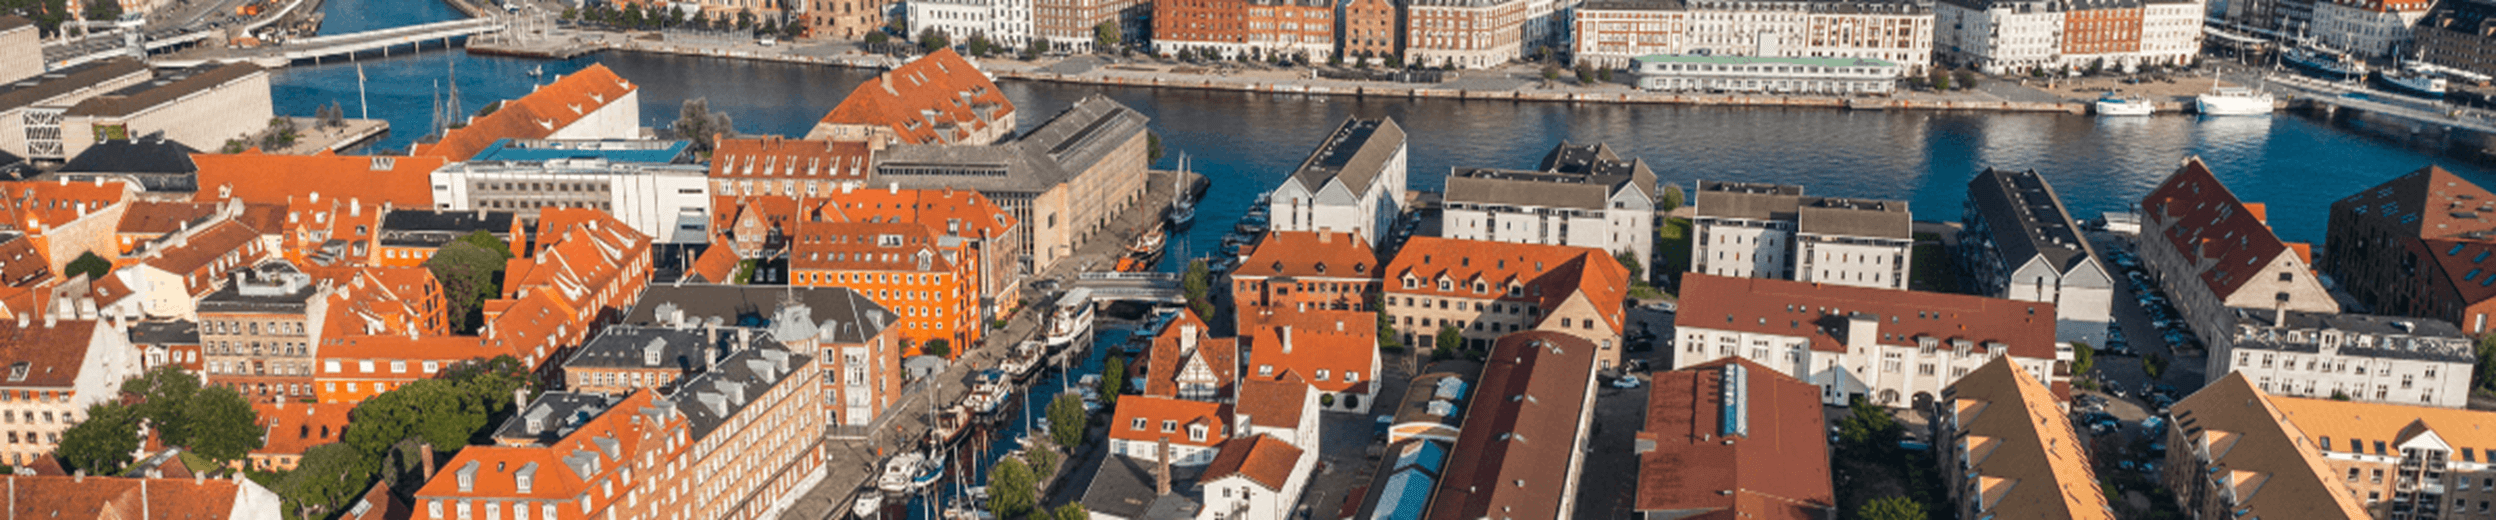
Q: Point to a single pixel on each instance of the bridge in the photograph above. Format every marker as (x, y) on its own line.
(99, 46)
(316, 48)
(1114, 286)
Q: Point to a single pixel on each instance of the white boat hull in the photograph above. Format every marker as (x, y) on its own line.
(2211, 105)
(2143, 108)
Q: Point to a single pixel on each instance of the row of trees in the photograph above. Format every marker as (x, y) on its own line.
(634, 16)
(447, 412)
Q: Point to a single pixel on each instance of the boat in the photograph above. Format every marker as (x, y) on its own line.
(929, 472)
(867, 506)
(1222, 265)
(1182, 214)
(909, 472)
(2233, 101)
(1150, 242)
(1252, 227)
(2412, 82)
(2323, 63)
(537, 71)
(1073, 318)
(989, 393)
(2112, 105)
(1182, 207)
(1025, 359)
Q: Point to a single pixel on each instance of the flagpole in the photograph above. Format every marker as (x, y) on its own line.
(359, 92)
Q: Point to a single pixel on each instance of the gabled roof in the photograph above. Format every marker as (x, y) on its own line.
(159, 217)
(1769, 449)
(843, 315)
(2247, 435)
(1546, 274)
(936, 99)
(269, 179)
(203, 246)
(293, 428)
(1309, 342)
(792, 159)
(128, 156)
(1273, 403)
(2211, 227)
(1570, 176)
(447, 349)
(718, 263)
(52, 87)
(1516, 451)
(569, 467)
(52, 353)
(1051, 154)
(1356, 153)
(2468, 265)
(2038, 466)
(1821, 312)
(2027, 219)
(36, 205)
(1171, 353)
(1262, 459)
(862, 246)
(948, 211)
(169, 85)
(1311, 254)
(2361, 424)
(534, 116)
(51, 496)
(1180, 413)
(2429, 202)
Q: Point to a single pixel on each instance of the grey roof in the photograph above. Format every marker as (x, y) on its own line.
(839, 314)
(1126, 487)
(168, 86)
(52, 85)
(2027, 219)
(434, 228)
(1066, 145)
(177, 332)
(2367, 335)
(274, 286)
(687, 350)
(140, 156)
(1357, 152)
(1570, 176)
(1746, 200)
(554, 414)
(711, 398)
(1815, 215)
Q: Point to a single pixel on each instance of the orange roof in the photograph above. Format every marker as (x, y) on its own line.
(2021, 449)
(937, 99)
(294, 428)
(535, 116)
(1262, 459)
(1162, 364)
(203, 246)
(1778, 467)
(109, 497)
(862, 246)
(1321, 346)
(962, 213)
(792, 159)
(564, 470)
(33, 205)
(1311, 254)
(263, 178)
(1790, 308)
(1542, 274)
(1512, 457)
(54, 352)
(160, 217)
(718, 263)
(2250, 435)
(351, 349)
(1273, 403)
(381, 300)
(1178, 414)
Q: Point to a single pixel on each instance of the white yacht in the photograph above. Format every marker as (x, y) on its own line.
(1072, 319)
(2233, 101)
(2112, 105)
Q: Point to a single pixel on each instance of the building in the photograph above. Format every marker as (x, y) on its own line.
(67, 219)
(1612, 33)
(167, 343)
(2009, 451)
(140, 498)
(1354, 183)
(1335, 352)
(1372, 31)
(1687, 73)
(162, 169)
(2016, 241)
(671, 202)
(937, 99)
(1285, 408)
(289, 430)
(1074, 25)
(769, 180)
(1432, 407)
(1895, 348)
(592, 103)
(259, 178)
(1257, 477)
(57, 367)
(18, 34)
(1303, 30)
(2233, 449)
(1487, 290)
(1189, 433)
(1580, 195)
(2414, 246)
(1006, 23)
(31, 108)
(384, 301)
(2404, 460)
(201, 107)
(1757, 431)
(613, 150)
(845, 19)
(2013, 36)
(1062, 181)
(1300, 270)
(262, 333)
(180, 269)
(356, 368)
(624, 358)
(1126, 488)
(2376, 29)
(2453, 34)
(2396, 360)
(585, 270)
(408, 237)
(854, 338)
(754, 432)
(902, 266)
(2214, 253)
(1524, 444)
(1464, 34)
(1187, 362)
(977, 235)
(1774, 231)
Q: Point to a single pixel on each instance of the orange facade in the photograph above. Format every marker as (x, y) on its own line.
(1242, 24)
(2102, 31)
(354, 369)
(903, 267)
(1370, 29)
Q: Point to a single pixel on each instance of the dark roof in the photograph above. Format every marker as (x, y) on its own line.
(2463, 17)
(2027, 219)
(556, 415)
(1061, 148)
(168, 86)
(273, 287)
(1516, 450)
(628, 346)
(711, 398)
(2364, 335)
(52, 85)
(1746, 200)
(2219, 235)
(1814, 215)
(434, 228)
(157, 165)
(1125, 487)
(178, 332)
(1575, 176)
(1357, 152)
(839, 315)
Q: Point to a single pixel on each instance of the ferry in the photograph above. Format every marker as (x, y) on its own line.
(2233, 101)
(2324, 63)
(989, 394)
(2112, 105)
(2412, 82)
(1073, 318)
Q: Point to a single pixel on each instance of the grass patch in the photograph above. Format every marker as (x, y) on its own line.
(1672, 247)
(1932, 268)
(745, 272)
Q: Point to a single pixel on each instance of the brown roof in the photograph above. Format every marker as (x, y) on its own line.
(166, 88)
(127, 498)
(1518, 448)
(50, 89)
(2352, 424)
(202, 247)
(294, 428)
(2027, 460)
(2212, 227)
(1820, 312)
(1168, 356)
(856, 246)
(1182, 413)
(2251, 440)
(53, 352)
(534, 116)
(1273, 403)
(21, 264)
(793, 159)
(2443, 204)
(9, 22)
(33, 205)
(1311, 254)
(1771, 453)
(937, 99)
(1262, 459)
(160, 217)
(718, 263)
(278, 179)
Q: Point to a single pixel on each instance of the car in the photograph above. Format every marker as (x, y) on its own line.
(766, 42)
(2125, 464)
(1664, 306)
(1625, 382)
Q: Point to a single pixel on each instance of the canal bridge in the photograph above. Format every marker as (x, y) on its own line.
(1114, 286)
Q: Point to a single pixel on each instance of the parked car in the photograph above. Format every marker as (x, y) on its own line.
(1625, 382)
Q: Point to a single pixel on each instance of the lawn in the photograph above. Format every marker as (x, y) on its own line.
(1672, 247)
(1932, 267)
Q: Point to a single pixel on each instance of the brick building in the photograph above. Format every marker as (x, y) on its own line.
(1463, 34)
(1373, 31)
(1756, 429)
(939, 98)
(903, 267)
(1245, 29)
(1487, 290)
(1306, 269)
(852, 337)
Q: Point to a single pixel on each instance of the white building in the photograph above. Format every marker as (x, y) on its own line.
(1256, 477)
(2171, 31)
(2368, 28)
(1895, 348)
(2011, 36)
(1997, 36)
(1353, 183)
(1464, 34)
(669, 202)
(1611, 33)
(1580, 195)
(2214, 253)
(2018, 242)
(69, 359)
(1779, 75)
(1193, 432)
(1773, 231)
(1006, 23)
(2383, 359)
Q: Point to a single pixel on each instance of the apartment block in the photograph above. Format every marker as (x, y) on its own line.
(2351, 356)
(181, 268)
(1892, 347)
(2417, 245)
(670, 202)
(1524, 447)
(976, 235)
(1074, 25)
(2453, 34)
(356, 368)
(1488, 290)
(2012, 36)
(32, 108)
(901, 266)
(2017, 241)
(57, 367)
(1006, 23)
(586, 268)
(2235, 450)
(1149, 429)
(1464, 34)
(2008, 450)
(1245, 29)
(1612, 33)
(1774, 231)
(1062, 181)
(2369, 28)
(1681, 72)
(937, 99)
(845, 19)
(262, 333)
(851, 336)
(201, 107)
(1373, 31)
(1300, 270)
(260, 178)
(1579, 195)
(1757, 430)
(2215, 253)
(1187, 362)
(1334, 352)
(1353, 183)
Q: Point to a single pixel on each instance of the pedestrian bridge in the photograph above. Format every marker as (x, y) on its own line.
(1114, 286)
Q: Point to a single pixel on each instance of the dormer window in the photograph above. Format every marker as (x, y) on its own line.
(1321, 374)
(1447, 285)
(1196, 432)
(1168, 426)
(18, 370)
(1139, 424)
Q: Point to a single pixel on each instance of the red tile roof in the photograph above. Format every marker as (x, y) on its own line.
(1181, 413)
(1262, 459)
(446, 349)
(780, 158)
(1273, 403)
(262, 178)
(858, 246)
(1164, 361)
(123, 498)
(1517, 448)
(1311, 254)
(1778, 466)
(54, 352)
(628, 424)
(295, 427)
(203, 246)
(1306, 342)
(35, 205)
(963, 213)
(1820, 311)
(936, 99)
(718, 263)
(535, 116)
(159, 217)
(2212, 227)
(1541, 274)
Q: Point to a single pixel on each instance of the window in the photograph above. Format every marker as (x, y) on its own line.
(1321, 374)
(1168, 426)
(1139, 426)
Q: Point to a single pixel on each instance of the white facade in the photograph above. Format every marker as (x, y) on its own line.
(1742, 248)
(2000, 37)
(2366, 32)
(1182, 452)
(202, 119)
(2171, 31)
(2380, 359)
(1613, 34)
(1004, 22)
(670, 203)
(1320, 195)
(1850, 260)
(107, 359)
(1237, 497)
(1580, 195)
(1750, 230)
(619, 119)
(1888, 375)
(1781, 75)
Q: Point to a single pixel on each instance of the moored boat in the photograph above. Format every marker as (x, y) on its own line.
(2112, 105)
(2233, 101)
(2323, 63)
(2414, 83)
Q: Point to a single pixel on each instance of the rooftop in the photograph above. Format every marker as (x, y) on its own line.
(2360, 427)
(1544, 274)
(635, 346)
(271, 287)
(2251, 439)
(534, 116)
(176, 332)
(2209, 226)
(435, 228)
(271, 179)
(1823, 313)
(49, 87)
(1570, 176)
(613, 150)
(792, 159)
(1312, 254)
(1066, 145)
(1515, 452)
(2024, 458)
(552, 416)
(1760, 431)
(2397, 337)
(1813, 215)
(157, 156)
(1356, 153)
(169, 85)
(1126, 487)
(710, 399)
(44, 353)
(1763, 60)
(837, 314)
(939, 98)
(2027, 219)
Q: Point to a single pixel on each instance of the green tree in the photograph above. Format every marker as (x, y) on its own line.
(1637, 269)
(1066, 420)
(933, 39)
(1044, 462)
(770, 26)
(103, 10)
(571, 14)
(1106, 35)
(220, 424)
(696, 122)
(1073, 511)
(1197, 285)
(1039, 46)
(675, 17)
(2154, 365)
(633, 16)
(1891, 508)
(879, 38)
(1585, 74)
(327, 477)
(468, 274)
(745, 20)
(1388, 340)
(1551, 72)
(1011, 492)
(162, 394)
(1152, 146)
(938, 347)
(1868, 425)
(1450, 339)
(979, 46)
(1113, 380)
(2083, 357)
(1939, 79)
(1672, 198)
(2485, 376)
(102, 443)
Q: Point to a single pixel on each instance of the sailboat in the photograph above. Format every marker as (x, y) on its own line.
(1183, 209)
(537, 71)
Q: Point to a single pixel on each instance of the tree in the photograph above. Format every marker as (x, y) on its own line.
(103, 10)
(1585, 74)
(571, 14)
(162, 393)
(2154, 365)
(102, 443)
(1672, 198)
(1388, 340)
(1637, 271)
(675, 17)
(1198, 288)
(2485, 376)
(1066, 420)
(1106, 34)
(938, 347)
(1450, 339)
(1551, 72)
(770, 26)
(1941, 79)
(933, 39)
(745, 19)
(1073, 511)
(1113, 380)
(326, 478)
(1011, 492)
(1152, 146)
(1891, 508)
(1044, 462)
(632, 16)
(220, 424)
(95, 267)
(979, 46)
(879, 38)
(468, 274)
(1039, 46)
(793, 29)
(1965, 79)
(1868, 424)
(696, 122)
(2083, 357)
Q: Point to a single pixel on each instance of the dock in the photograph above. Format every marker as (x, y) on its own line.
(2464, 131)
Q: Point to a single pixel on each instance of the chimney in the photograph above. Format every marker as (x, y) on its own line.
(2279, 315)
(519, 397)
(80, 476)
(744, 336)
(427, 449)
(1187, 338)
(1286, 339)
(1161, 476)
